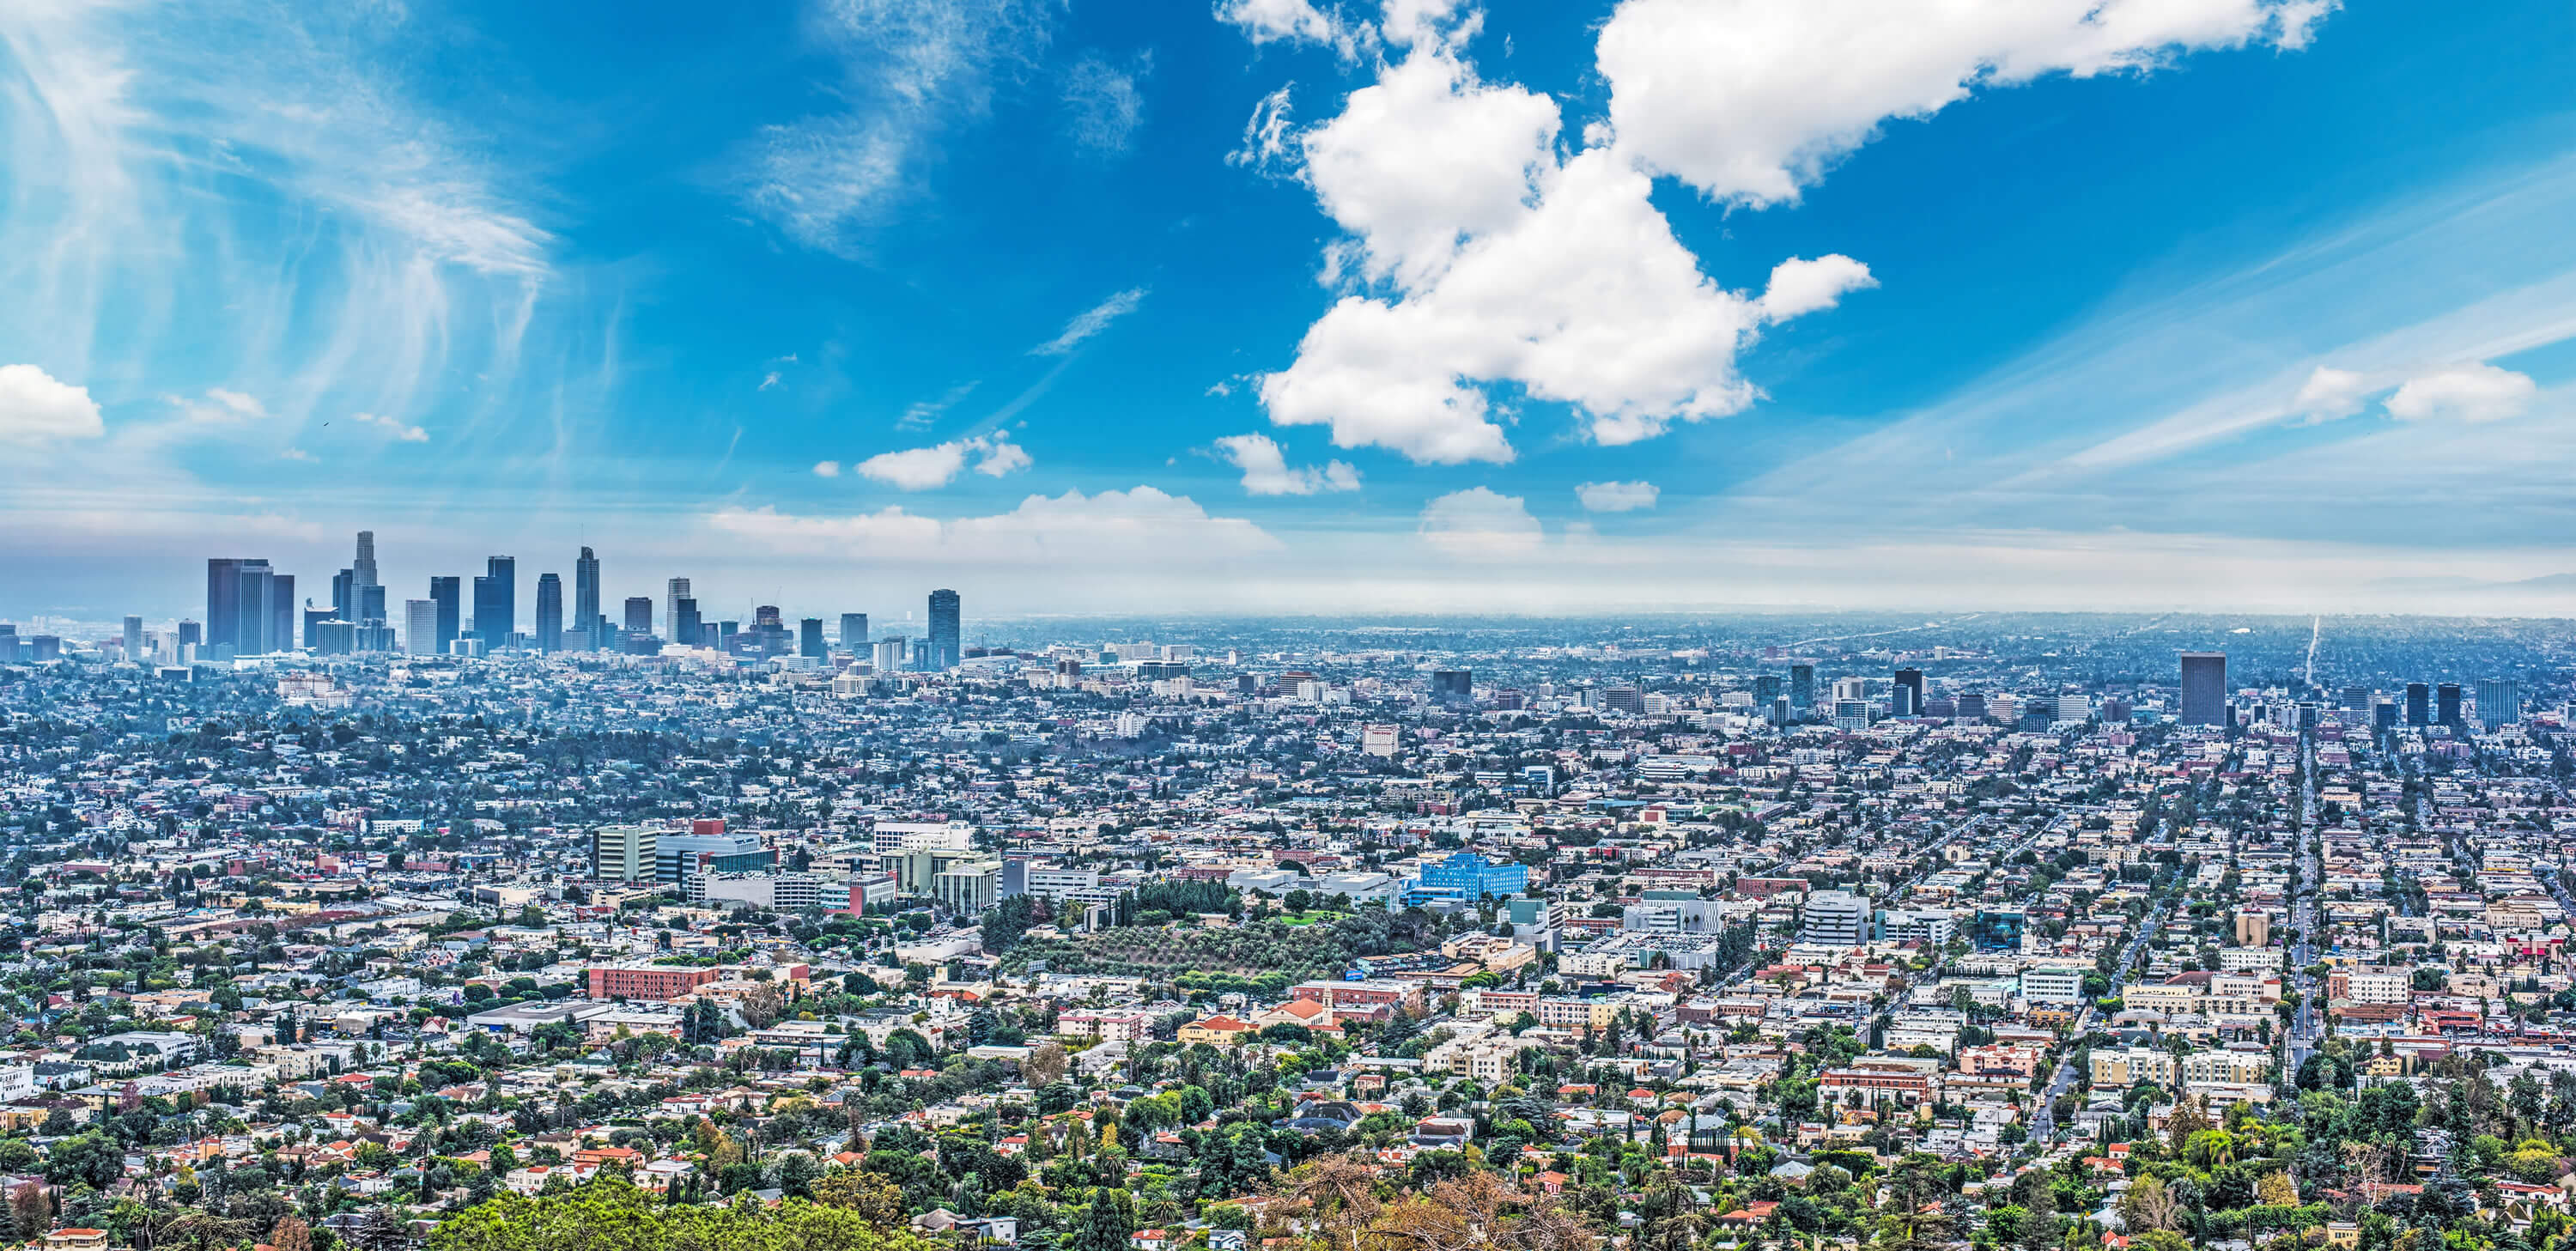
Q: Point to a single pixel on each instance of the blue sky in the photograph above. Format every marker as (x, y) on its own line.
(1263, 304)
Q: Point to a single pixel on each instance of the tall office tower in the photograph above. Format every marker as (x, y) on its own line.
(685, 626)
(1802, 687)
(2419, 704)
(946, 645)
(367, 603)
(672, 594)
(365, 564)
(726, 631)
(2204, 688)
(1906, 700)
(1851, 688)
(549, 613)
(1453, 686)
(891, 655)
(1836, 919)
(1766, 691)
(623, 853)
(191, 634)
(420, 626)
(134, 640)
(281, 612)
(854, 632)
(2356, 698)
(242, 607)
(2446, 704)
(809, 637)
(585, 598)
(344, 594)
(2499, 702)
(496, 602)
(313, 619)
(639, 614)
(1971, 706)
(446, 593)
(765, 617)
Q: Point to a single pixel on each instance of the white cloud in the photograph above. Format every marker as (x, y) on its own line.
(1490, 259)
(1103, 106)
(912, 69)
(923, 412)
(1479, 524)
(923, 468)
(1001, 456)
(1090, 322)
(36, 409)
(1118, 527)
(1617, 497)
(827, 469)
(1291, 21)
(2330, 394)
(401, 433)
(219, 407)
(1750, 100)
(1800, 286)
(1267, 141)
(1266, 471)
(295, 453)
(767, 381)
(2467, 393)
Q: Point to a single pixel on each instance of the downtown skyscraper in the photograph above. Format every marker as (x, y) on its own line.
(496, 602)
(549, 612)
(250, 608)
(947, 647)
(586, 617)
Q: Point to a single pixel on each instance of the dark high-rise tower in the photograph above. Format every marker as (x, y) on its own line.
(1905, 698)
(2204, 688)
(639, 614)
(549, 613)
(496, 602)
(809, 637)
(947, 647)
(2419, 704)
(1802, 687)
(447, 594)
(585, 597)
(2446, 704)
(1453, 686)
(854, 632)
(686, 629)
(250, 608)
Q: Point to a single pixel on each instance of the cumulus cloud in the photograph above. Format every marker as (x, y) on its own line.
(1090, 322)
(1488, 258)
(1266, 470)
(1103, 106)
(1480, 524)
(401, 432)
(1751, 100)
(37, 409)
(1291, 21)
(2331, 394)
(923, 468)
(1617, 497)
(1481, 251)
(1114, 526)
(2466, 393)
(827, 469)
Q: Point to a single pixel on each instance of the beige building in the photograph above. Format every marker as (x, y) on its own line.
(2127, 1066)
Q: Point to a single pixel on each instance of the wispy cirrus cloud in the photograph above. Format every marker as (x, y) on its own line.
(1104, 104)
(1088, 323)
(908, 70)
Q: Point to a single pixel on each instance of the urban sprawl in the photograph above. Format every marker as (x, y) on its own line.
(339, 925)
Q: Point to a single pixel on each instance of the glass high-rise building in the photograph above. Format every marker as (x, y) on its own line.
(809, 637)
(585, 598)
(947, 647)
(549, 613)
(420, 627)
(496, 602)
(250, 608)
(2204, 688)
(2499, 702)
(854, 633)
(1802, 687)
(2446, 704)
(447, 594)
(2419, 704)
(639, 614)
(672, 594)
(1905, 697)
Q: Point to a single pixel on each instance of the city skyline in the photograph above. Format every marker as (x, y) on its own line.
(1075, 308)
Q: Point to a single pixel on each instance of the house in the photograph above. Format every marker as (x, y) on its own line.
(1150, 1240)
(1221, 1031)
(76, 1240)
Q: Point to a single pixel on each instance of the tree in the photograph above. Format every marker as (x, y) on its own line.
(872, 1195)
(1045, 1065)
(291, 1234)
(2149, 1205)
(1106, 1224)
